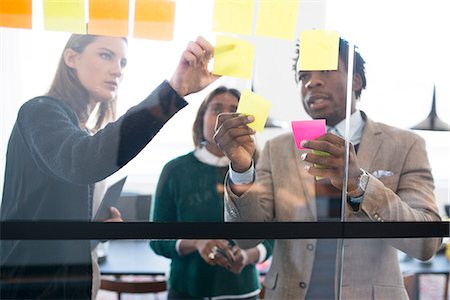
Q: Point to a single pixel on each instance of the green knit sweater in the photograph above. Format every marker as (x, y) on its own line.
(191, 191)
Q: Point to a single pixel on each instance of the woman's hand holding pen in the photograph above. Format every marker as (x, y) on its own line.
(241, 260)
(216, 252)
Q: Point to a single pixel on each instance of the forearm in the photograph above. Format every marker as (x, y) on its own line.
(143, 122)
(186, 247)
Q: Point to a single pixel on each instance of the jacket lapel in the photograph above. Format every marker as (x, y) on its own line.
(370, 143)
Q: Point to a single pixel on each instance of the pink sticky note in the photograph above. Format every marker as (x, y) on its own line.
(308, 130)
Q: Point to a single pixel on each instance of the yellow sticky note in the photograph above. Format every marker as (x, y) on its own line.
(319, 50)
(154, 19)
(15, 13)
(233, 57)
(255, 105)
(277, 18)
(233, 16)
(108, 17)
(64, 15)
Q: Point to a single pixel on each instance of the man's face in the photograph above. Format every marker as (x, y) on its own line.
(324, 94)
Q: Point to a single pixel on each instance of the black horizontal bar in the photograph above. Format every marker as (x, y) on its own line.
(65, 230)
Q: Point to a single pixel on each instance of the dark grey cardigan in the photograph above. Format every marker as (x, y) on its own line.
(51, 167)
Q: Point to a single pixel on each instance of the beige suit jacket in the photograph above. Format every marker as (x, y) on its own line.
(283, 191)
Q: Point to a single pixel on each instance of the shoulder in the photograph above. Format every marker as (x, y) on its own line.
(180, 162)
(393, 133)
(44, 106)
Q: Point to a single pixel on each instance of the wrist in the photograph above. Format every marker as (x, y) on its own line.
(245, 177)
(245, 259)
(241, 167)
(180, 91)
(362, 182)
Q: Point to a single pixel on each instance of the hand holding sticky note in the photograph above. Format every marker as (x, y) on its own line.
(255, 105)
(309, 130)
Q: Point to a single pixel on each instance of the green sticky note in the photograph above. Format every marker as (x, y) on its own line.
(319, 166)
(319, 50)
(233, 57)
(255, 105)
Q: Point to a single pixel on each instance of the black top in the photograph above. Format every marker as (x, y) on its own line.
(51, 167)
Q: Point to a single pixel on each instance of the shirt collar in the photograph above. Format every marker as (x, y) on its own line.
(203, 155)
(356, 127)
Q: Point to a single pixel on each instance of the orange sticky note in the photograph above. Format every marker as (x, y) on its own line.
(15, 13)
(108, 17)
(64, 15)
(233, 16)
(154, 19)
(255, 105)
(319, 50)
(233, 57)
(277, 19)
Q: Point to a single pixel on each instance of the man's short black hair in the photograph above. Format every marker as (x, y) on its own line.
(358, 65)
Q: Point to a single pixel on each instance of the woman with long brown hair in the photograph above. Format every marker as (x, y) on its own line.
(54, 160)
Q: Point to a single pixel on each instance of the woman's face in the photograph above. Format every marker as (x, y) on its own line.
(222, 103)
(100, 67)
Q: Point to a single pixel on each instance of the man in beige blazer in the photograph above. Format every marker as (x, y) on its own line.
(389, 179)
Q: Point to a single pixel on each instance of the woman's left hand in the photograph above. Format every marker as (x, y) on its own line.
(240, 260)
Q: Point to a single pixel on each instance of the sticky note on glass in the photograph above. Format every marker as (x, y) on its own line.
(277, 19)
(64, 15)
(154, 19)
(319, 50)
(255, 105)
(15, 13)
(308, 130)
(233, 16)
(108, 17)
(233, 57)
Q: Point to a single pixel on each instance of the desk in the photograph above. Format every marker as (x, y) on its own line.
(133, 257)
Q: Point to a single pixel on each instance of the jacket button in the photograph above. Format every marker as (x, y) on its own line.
(310, 247)
(302, 285)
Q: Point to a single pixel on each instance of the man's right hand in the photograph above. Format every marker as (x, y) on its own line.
(235, 139)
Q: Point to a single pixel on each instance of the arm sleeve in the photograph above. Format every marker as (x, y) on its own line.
(268, 244)
(410, 200)
(265, 250)
(51, 132)
(164, 210)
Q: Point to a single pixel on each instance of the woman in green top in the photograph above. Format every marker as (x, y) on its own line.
(190, 189)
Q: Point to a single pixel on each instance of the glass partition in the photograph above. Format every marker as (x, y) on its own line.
(359, 210)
